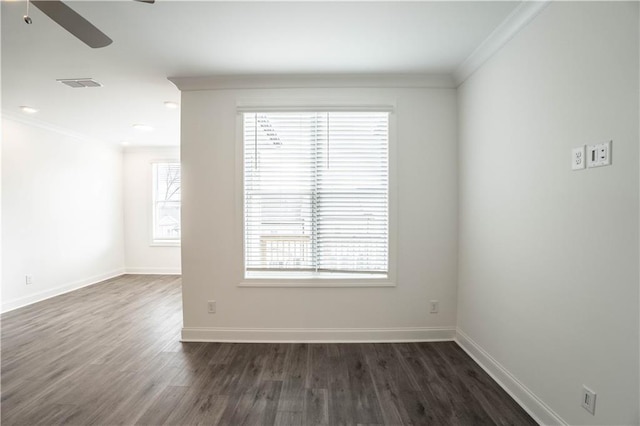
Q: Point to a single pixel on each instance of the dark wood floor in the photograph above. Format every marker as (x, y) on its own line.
(110, 354)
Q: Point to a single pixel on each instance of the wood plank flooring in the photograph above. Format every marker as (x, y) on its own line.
(110, 354)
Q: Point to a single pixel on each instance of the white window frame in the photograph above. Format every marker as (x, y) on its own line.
(314, 280)
(153, 242)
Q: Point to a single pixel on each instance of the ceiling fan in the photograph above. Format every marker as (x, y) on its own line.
(72, 21)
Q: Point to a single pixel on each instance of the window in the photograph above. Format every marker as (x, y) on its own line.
(166, 203)
(316, 194)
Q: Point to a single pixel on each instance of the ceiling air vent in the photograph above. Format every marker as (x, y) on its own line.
(79, 82)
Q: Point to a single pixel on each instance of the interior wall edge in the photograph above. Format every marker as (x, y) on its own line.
(529, 401)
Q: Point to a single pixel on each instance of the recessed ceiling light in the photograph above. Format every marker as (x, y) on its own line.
(125, 143)
(28, 109)
(171, 105)
(143, 127)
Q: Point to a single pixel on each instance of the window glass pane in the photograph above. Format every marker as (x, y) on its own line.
(166, 201)
(316, 191)
(352, 193)
(279, 186)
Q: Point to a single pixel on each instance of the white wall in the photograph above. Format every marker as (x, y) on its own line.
(548, 261)
(140, 256)
(427, 221)
(61, 213)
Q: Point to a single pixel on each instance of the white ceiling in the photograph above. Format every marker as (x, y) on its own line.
(183, 38)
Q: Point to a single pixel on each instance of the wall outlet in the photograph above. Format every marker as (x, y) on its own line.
(28, 279)
(434, 306)
(599, 155)
(588, 400)
(211, 306)
(578, 161)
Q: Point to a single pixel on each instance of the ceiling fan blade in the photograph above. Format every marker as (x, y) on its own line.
(147, 1)
(73, 22)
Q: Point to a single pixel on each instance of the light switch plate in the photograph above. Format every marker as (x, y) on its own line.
(599, 155)
(578, 161)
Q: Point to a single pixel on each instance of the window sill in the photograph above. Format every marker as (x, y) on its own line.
(165, 244)
(310, 280)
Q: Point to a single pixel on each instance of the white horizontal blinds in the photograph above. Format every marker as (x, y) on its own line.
(353, 192)
(166, 209)
(316, 191)
(279, 179)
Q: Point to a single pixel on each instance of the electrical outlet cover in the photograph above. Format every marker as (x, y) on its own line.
(578, 161)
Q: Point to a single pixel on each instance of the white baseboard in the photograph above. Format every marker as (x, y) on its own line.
(47, 294)
(153, 271)
(317, 335)
(541, 412)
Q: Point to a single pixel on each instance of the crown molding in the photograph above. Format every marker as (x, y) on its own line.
(304, 81)
(33, 122)
(516, 21)
(133, 149)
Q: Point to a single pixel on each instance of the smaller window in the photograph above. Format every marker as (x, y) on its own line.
(166, 203)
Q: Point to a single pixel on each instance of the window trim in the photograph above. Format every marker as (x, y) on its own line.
(151, 203)
(316, 280)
